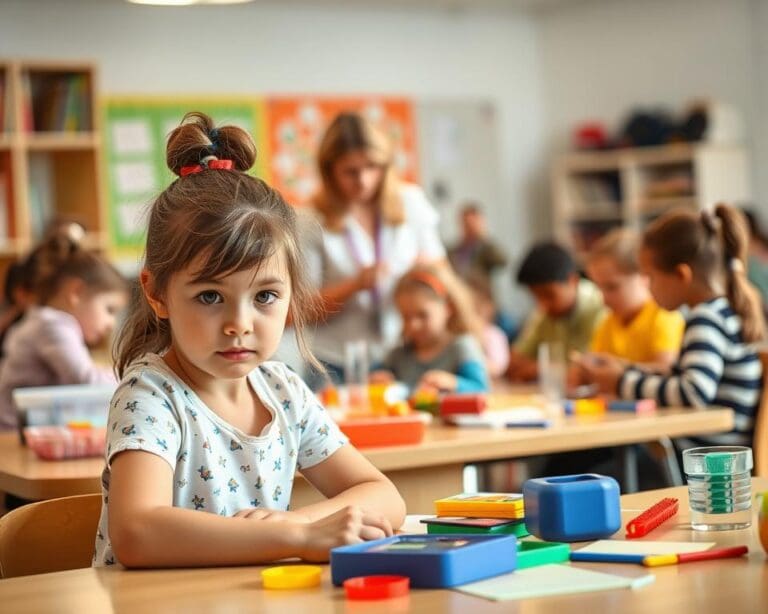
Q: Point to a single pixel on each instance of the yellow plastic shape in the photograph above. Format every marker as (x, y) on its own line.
(291, 577)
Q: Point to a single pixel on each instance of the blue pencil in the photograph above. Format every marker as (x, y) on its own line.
(529, 424)
(598, 557)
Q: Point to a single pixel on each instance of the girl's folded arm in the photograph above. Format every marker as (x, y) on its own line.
(147, 531)
(348, 478)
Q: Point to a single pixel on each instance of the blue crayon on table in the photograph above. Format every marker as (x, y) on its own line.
(600, 557)
(528, 424)
(638, 406)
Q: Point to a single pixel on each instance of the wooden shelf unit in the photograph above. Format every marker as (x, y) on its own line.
(50, 152)
(596, 191)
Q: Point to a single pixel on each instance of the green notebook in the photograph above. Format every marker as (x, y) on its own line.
(512, 528)
(531, 553)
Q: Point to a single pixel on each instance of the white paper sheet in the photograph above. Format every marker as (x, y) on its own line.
(547, 580)
(135, 178)
(131, 137)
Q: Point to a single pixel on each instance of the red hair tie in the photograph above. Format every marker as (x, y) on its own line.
(225, 165)
(431, 281)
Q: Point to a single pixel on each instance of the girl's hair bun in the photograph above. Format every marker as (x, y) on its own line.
(196, 138)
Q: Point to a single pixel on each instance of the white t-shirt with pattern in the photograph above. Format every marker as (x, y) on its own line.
(216, 467)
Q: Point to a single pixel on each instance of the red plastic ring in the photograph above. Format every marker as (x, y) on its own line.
(377, 587)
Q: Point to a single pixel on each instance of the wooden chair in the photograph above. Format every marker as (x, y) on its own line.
(760, 440)
(47, 536)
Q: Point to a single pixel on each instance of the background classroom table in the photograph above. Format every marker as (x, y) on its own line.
(423, 472)
(712, 587)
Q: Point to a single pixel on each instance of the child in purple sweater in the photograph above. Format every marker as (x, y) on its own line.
(79, 296)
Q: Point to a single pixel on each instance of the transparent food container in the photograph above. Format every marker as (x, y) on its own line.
(63, 405)
(61, 442)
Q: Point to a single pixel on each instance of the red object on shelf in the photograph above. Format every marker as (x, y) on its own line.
(463, 404)
(652, 518)
(61, 442)
(380, 431)
(590, 135)
(377, 587)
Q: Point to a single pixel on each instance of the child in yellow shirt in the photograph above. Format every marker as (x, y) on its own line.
(636, 329)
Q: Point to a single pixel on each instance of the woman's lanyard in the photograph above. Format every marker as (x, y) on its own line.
(357, 256)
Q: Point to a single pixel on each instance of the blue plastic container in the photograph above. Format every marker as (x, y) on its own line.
(572, 508)
(430, 561)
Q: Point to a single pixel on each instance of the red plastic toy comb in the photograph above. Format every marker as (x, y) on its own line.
(652, 518)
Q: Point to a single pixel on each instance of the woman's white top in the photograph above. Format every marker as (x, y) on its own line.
(334, 256)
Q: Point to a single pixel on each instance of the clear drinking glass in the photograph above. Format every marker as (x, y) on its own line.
(552, 371)
(719, 487)
(356, 368)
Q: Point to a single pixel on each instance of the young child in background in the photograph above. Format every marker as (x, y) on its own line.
(475, 253)
(567, 308)
(440, 335)
(203, 421)
(79, 296)
(20, 278)
(636, 329)
(494, 340)
(757, 261)
(699, 260)
(19, 296)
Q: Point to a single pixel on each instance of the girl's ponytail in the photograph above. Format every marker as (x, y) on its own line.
(61, 256)
(742, 296)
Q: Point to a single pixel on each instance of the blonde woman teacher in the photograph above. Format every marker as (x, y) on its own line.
(374, 229)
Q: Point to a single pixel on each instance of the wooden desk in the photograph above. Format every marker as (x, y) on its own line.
(712, 587)
(421, 472)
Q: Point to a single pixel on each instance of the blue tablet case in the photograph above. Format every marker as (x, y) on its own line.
(430, 561)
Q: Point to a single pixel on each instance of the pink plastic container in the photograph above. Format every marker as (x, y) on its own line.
(61, 442)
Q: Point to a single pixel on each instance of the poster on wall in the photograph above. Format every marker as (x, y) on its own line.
(136, 131)
(297, 123)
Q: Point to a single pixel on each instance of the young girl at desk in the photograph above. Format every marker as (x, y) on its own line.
(699, 260)
(205, 433)
(439, 349)
(79, 296)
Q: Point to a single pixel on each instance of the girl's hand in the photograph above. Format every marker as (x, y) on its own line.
(258, 513)
(350, 525)
(605, 373)
(381, 377)
(576, 376)
(442, 380)
(369, 276)
(521, 368)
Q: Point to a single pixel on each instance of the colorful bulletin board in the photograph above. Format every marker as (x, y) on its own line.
(296, 125)
(136, 130)
(287, 131)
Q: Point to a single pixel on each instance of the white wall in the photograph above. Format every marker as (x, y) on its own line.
(759, 127)
(544, 72)
(270, 49)
(600, 59)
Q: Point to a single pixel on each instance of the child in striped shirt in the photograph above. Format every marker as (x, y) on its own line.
(699, 260)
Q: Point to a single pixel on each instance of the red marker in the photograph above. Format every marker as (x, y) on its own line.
(651, 518)
(691, 557)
